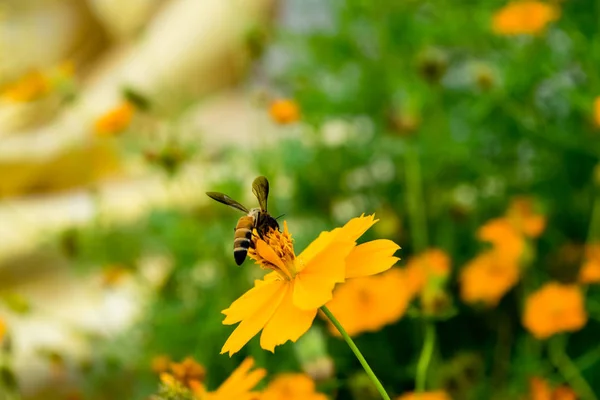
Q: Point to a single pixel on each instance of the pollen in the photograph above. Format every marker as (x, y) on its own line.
(275, 251)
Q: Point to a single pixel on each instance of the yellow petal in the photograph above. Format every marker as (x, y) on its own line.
(356, 227)
(371, 258)
(251, 301)
(314, 284)
(254, 322)
(269, 254)
(288, 323)
(348, 233)
(317, 245)
(241, 380)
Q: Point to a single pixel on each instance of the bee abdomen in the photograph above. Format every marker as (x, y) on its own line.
(242, 239)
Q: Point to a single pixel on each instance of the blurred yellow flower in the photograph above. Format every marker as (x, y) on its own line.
(539, 389)
(524, 17)
(115, 121)
(522, 216)
(369, 303)
(28, 88)
(113, 274)
(284, 304)
(597, 111)
(188, 377)
(487, 278)
(2, 329)
(239, 385)
(590, 270)
(291, 387)
(554, 308)
(284, 111)
(437, 395)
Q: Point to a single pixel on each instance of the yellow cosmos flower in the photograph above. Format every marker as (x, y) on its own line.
(284, 304)
(487, 278)
(430, 267)
(115, 121)
(186, 381)
(160, 363)
(2, 329)
(284, 111)
(504, 237)
(597, 111)
(524, 17)
(554, 308)
(438, 395)
(539, 389)
(30, 87)
(590, 270)
(292, 387)
(369, 303)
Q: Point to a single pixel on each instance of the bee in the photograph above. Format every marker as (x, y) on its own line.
(256, 218)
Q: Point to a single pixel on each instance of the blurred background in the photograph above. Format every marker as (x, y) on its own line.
(470, 129)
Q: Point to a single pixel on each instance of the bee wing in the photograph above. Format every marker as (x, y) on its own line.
(223, 198)
(260, 188)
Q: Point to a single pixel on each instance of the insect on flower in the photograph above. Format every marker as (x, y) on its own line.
(256, 219)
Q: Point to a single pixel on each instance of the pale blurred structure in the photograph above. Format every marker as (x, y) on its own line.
(55, 173)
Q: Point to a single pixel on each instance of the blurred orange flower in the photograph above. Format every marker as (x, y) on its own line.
(524, 17)
(161, 363)
(285, 303)
(430, 266)
(2, 329)
(521, 214)
(590, 270)
(115, 121)
(487, 278)
(507, 241)
(369, 303)
(284, 111)
(437, 395)
(597, 111)
(539, 389)
(291, 387)
(28, 88)
(188, 371)
(554, 308)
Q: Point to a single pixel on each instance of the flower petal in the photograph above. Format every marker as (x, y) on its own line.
(254, 310)
(316, 246)
(269, 254)
(288, 323)
(241, 380)
(251, 301)
(371, 258)
(356, 227)
(349, 232)
(313, 286)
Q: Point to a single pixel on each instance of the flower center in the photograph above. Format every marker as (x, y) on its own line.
(278, 254)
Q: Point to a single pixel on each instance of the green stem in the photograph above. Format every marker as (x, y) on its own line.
(357, 353)
(568, 369)
(425, 357)
(415, 199)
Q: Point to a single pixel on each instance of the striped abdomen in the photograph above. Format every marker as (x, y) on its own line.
(242, 238)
